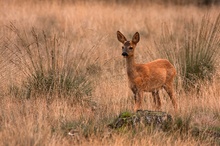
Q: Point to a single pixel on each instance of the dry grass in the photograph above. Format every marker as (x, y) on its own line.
(89, 31)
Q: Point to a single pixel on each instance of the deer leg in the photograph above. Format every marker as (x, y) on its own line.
(156, 99)
(138, 100)
(170, 92)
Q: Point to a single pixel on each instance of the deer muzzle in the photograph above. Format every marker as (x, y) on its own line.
(124, 54)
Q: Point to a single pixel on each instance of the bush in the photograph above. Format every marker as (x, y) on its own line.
(50, 65)
(193, 51)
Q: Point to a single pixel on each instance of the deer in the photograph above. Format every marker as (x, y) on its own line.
(149, 77)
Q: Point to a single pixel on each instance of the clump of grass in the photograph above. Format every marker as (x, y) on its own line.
(194, 51)
(182, 125)
(50, 65)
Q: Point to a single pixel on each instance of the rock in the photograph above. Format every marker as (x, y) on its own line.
(157, 119)
(73, 132)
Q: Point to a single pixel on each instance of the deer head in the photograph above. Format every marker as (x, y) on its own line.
(128, 46)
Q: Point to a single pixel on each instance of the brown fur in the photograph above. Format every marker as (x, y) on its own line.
(149, 77)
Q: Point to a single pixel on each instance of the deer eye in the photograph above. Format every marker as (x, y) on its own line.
(130, 48)
(122, 47)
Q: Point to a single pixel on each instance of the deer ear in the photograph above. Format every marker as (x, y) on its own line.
(121, 37)
(136, 38)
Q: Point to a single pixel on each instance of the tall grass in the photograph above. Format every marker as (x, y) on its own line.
(194, 50)
(70, 58)
(48, 65)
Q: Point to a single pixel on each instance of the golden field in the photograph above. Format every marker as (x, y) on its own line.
(83, 81)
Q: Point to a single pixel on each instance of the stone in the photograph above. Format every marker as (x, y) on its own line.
(157, 119)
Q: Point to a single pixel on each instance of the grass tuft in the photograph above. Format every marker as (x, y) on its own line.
(194, 50)
(49, 68)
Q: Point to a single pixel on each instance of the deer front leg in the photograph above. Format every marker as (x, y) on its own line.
(138, 100)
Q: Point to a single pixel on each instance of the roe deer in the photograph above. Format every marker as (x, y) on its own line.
(149, 77)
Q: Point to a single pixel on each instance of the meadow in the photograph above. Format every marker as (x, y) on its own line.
(61, 68)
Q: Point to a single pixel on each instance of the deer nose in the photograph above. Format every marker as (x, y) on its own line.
(124, 54)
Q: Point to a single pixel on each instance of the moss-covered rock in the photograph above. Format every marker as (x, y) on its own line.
(157, 119)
